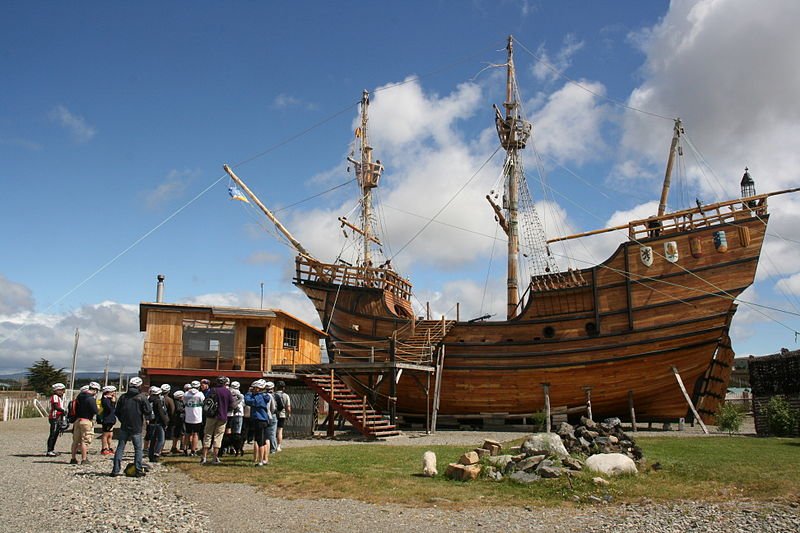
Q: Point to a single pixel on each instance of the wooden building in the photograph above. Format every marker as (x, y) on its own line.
(192, 341)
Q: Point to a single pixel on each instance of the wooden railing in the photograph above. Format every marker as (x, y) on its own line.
(696, 218)
(352, 276)
(16, 408)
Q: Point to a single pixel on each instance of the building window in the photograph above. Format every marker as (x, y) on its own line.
(291, 338)
(209, 338)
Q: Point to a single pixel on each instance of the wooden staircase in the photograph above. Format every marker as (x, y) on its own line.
(419, 345)
(354, 408)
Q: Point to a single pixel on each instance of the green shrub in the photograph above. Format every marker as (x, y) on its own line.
(782, 420)
(538, 420)
(729, 418)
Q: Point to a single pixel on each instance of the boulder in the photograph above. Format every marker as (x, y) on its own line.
(482, 452)
(600, 481)
(530, 462)
(524, 477)
(613, 422)
(493, 446)
(499, 461)
(454, 471)
(572, 463)
(611, 464)
(469, 458)
(549, 471)
(588, 422)
(471, 472)
(544, 444)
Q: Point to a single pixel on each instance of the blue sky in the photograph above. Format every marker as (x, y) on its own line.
(115, 116)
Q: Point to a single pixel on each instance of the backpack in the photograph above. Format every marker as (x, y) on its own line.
(279, 405)
(72, 415)
(211, 405)
(130, 471)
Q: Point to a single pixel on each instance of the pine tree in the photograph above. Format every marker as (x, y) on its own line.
(42, 375)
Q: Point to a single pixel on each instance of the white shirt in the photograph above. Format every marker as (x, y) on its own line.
(193, 400)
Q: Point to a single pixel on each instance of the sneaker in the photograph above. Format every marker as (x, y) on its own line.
(51, 454)
(264, 463)
(217, 461)
(73, 461)
(139, 473)
(192, 454)
(202, 460)
(115, 474)
(278, 449)
(258, 464)
(85, 462)
(107, 451)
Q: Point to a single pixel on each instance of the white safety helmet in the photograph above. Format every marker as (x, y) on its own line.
(235, 384)
(195, 384)
(135, 382)
(95, 385)
(166, 388)
(59, 386)
(187, 387)
(155, 390)
(259, 384)
(270, 385)
(109, 388)
(179, 394)
(84, 388)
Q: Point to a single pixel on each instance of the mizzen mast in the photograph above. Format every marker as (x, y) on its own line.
(673, 149)
(513, 132)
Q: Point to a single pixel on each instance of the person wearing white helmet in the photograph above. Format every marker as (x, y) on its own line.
(107, 418)
(176, 423)
(233, 431)
(259, 400)
(131, 409)
(170, 403)
(158, 424)
(272, 428)
(193, 417)
(216, 419)
(57, 417)
(83, 428)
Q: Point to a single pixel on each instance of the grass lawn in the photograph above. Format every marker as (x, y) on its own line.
(711, 468)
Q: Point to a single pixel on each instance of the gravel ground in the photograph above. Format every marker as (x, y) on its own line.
(47, 494)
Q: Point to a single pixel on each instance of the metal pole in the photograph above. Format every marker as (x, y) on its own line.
(262, 295)
(633, 411)
(105, 378)
(393, 382)
(588, 391)
(74, 363)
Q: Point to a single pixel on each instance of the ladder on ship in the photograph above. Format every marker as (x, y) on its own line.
(354, 408)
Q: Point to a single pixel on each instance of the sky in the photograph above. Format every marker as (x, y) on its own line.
(116, 119)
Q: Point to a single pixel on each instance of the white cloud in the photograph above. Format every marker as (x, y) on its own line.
(172, 186)
(19, 142)
(263, 258)
(14, 297)
(107, 328)
(76, 125)
(550, 69)
(284, 101)
(568, 127)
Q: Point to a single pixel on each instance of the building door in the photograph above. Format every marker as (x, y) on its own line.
(256, 337)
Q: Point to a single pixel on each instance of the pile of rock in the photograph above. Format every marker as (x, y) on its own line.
(590, 437)
(552, 455)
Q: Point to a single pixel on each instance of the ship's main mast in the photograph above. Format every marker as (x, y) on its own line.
(368, 174)
(513, 132)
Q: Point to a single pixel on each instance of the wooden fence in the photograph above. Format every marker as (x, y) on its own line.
(16, 408)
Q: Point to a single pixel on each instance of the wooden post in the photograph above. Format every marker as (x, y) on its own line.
(546, 387)
(331, 421)
(219, 350)
(428, 310)
(269, 358)
(632, 410)
(294, 352)
(458, 312)
(393, 381)
(437, 388)
(588, 391)
(428, 403)
(689, 400)
(332, 394)
(364, 413)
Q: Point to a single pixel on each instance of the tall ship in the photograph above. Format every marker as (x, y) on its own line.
(647, 329)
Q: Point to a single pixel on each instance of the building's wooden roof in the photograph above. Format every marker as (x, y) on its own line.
(219, 311)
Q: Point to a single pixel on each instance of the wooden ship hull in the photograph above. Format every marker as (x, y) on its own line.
(619, 328)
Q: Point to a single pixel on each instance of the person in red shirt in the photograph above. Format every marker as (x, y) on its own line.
(57, 417)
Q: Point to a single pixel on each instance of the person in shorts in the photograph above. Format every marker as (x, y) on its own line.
(214, 428)
(193, 417)
(259, 401)
(283, 405)
(107, 418)
(83, 428)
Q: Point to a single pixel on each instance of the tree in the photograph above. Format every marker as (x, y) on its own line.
(42, 375)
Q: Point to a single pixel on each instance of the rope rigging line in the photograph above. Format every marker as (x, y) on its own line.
(439, 212)
(614, 101)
